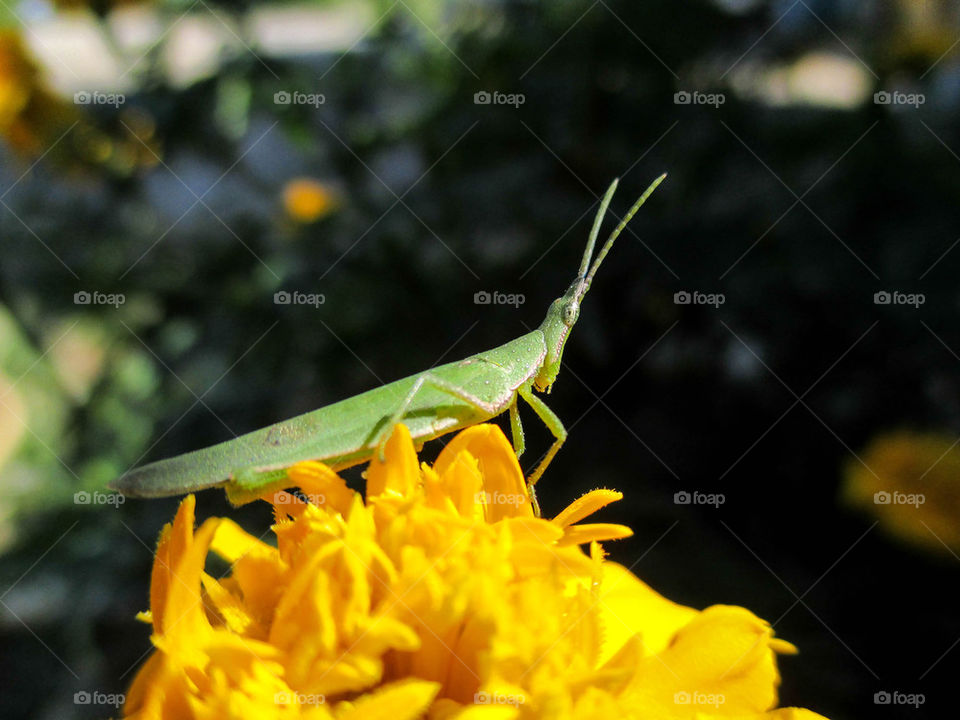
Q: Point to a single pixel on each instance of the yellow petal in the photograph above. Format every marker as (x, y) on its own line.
(404, 700)
(529, 529)
(629, 606)
(502, 476)
(590, 532)
(722, 657)
(400, 472)
(586, 505)
(184, 618)
(160, 573)
(231, 609)
(463, 485)
(232, 542)
(321, 485)
(792, 714)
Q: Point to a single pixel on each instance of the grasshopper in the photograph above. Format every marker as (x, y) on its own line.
(433, 403)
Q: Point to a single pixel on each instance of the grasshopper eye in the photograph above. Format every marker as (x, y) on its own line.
(571, 311)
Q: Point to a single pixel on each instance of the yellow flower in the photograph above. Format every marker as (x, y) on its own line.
(438, 596)
(17, 78)
(35, 121)
(307, 200)
(30, 116)
(910, 481)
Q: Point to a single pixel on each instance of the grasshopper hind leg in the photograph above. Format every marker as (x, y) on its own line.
(252, 483)
(487, 408)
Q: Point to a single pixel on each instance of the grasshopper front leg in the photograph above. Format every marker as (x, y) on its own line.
(554, 425)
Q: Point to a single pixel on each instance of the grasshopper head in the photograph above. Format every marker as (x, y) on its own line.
(565, 310)
(561, 317)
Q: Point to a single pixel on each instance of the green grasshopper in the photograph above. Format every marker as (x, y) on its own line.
(431, 404)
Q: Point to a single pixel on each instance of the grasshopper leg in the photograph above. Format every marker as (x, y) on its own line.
(488, 408)
(554, 425)
(248, 484)
(516, 429)
(519, 445)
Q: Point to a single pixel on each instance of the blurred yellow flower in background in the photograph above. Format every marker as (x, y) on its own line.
(17, 82)
(30, 116)
(37, 122)
(439, 596)
(910, 481)
(306, 200)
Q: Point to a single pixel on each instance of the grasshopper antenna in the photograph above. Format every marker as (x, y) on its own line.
(588, 278)
(595, 231)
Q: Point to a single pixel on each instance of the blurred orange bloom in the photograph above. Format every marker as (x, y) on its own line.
(910, 481)
(307, 200)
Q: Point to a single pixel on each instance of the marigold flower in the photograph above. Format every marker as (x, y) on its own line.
(30, 116)
(438, 596)
(307, 200)
(908, 481)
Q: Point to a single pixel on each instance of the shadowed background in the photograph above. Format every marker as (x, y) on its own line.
(182, 163)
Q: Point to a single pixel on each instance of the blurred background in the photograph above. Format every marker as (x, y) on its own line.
(219, 215)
